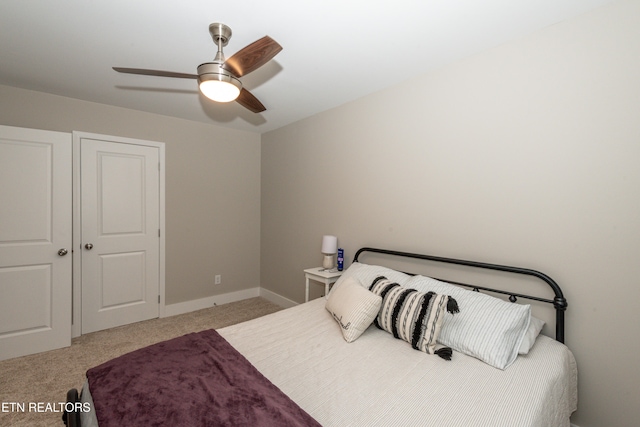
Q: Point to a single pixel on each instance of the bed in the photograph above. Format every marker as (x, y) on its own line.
(480, 360)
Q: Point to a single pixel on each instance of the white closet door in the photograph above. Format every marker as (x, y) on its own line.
(120, 233)
(35, 241)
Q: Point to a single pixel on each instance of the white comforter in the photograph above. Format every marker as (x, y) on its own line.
(381, 381)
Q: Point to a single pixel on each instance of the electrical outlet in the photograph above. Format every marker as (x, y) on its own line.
(218, 279)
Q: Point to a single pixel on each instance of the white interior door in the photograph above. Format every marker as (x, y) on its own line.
(35, 241)
(120, 208)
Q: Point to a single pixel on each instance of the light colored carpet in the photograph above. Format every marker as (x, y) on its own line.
(46, 377)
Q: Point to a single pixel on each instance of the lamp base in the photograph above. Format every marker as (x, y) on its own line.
(328, 262)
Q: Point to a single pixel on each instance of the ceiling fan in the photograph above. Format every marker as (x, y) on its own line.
(219, 80)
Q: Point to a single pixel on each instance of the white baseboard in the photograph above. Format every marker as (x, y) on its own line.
(277, 299)
(208, 302)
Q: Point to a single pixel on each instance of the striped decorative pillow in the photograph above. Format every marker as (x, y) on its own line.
(412, 316)
(487, 328)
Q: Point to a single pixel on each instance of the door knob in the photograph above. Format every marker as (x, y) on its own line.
(88, 246)
(63, 252)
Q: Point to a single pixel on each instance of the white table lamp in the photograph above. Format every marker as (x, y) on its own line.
(329, 250)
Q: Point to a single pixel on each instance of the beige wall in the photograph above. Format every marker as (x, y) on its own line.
(528, 154)
(212, 186)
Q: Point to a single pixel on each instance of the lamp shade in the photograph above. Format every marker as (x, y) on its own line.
(329, 244)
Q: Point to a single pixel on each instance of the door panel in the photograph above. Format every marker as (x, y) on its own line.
(123, 279)
(35, 223)
(28, 286)
(122, 194)
(120, 220)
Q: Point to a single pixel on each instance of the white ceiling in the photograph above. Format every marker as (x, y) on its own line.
(334, 51)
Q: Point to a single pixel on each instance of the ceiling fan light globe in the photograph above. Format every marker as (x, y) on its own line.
(219, 91)
(216, 83)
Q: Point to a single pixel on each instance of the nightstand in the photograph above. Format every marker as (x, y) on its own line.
(318, 274)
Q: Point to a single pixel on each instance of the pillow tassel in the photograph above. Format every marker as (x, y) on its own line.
(444, 352)
(452, 306)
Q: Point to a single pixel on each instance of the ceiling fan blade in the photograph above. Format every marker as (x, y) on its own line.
(158, 73)
(252, 57)
(250, 102)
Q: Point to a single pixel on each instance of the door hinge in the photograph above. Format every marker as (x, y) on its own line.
(158, 299)
(158, 232)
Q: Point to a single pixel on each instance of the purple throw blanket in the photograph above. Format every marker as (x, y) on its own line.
(198, 379)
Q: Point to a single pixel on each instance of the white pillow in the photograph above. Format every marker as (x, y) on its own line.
(353, 307)
(487, 328)
(365, 274)
(535, 326)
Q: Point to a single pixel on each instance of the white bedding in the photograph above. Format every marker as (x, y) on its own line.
(378, 380)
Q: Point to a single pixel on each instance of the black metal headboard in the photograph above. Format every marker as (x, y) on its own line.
(559, 302)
